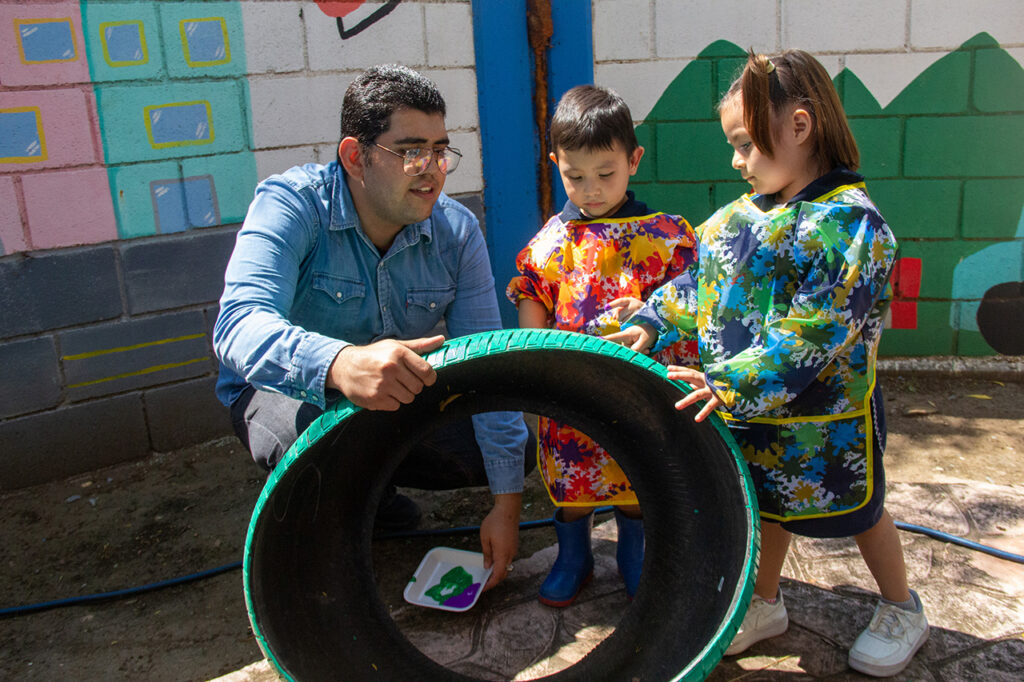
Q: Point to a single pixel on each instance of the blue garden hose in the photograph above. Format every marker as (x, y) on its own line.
(458, 530)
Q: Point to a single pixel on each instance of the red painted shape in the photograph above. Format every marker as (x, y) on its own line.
(336, 8)
(903, 315)
(906, 278)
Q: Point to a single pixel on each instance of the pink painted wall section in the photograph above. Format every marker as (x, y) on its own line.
(12, 233)
(69, 207)
(68, 125)
(61, 61)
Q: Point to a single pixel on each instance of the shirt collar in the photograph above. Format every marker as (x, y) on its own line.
(345, 217)
(837, 177)
(631, 209)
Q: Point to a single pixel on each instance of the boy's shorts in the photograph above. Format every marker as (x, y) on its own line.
(859, 520)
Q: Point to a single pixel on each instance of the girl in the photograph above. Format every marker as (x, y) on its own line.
(588, 267)
(789, 297)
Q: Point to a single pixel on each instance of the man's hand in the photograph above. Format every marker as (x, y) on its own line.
(383, 375)
(499, 536)
(700, 391)
(639, 337)
(625, 307)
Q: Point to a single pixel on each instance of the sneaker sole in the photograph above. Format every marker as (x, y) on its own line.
(768, 634)
(888, 670)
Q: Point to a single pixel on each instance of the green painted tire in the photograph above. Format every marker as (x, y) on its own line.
(309, 585)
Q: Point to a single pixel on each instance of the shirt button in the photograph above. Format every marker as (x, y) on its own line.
(302, 393)
(338, 294)
(383, 307)
(432, 305)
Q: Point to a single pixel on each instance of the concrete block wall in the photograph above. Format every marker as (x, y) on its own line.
(935, 94)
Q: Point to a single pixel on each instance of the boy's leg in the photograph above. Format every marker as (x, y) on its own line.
(883, 553)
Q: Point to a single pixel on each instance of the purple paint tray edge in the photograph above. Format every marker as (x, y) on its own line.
(438, 562)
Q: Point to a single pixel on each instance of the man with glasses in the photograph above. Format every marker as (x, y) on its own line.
(343, 275)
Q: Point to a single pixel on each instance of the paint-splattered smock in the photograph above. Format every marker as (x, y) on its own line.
(789, 304)
(574, 267)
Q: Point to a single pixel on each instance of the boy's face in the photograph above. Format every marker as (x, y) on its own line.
(596, 179)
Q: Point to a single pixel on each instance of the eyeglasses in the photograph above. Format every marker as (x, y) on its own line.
(417, 161)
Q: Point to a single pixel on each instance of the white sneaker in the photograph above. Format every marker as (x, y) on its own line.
(763, 620)
(890, 640)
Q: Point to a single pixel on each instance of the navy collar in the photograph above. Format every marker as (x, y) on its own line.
(837, 177)
(631, 209)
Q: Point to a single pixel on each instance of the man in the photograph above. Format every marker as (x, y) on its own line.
(343, 275)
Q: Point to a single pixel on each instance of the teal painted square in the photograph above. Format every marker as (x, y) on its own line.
(112, 31)
(964, 146)
(880, 142)
(921, 209)
(234, 180)
(933, 335)
(993, 208)
(695, 151)
(133, 198)
(941, 89)
(125, 112)
(194, 35)
(47, 41)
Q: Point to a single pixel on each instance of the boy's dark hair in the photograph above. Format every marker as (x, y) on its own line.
(592, 117)
(770, 85)
(377, 93)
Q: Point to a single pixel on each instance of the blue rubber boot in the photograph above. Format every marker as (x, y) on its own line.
(574, 566)
(630, 550)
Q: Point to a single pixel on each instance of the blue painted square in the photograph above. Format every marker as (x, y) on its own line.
(47, 41)
(206, 41)
(19, 135)
(179, 123)
(124, 44)
(179, 205)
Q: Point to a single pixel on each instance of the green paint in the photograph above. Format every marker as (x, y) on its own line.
(452, 583)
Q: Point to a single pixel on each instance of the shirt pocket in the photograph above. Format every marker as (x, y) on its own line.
(425, 307)
(338, 289)
(332, 305)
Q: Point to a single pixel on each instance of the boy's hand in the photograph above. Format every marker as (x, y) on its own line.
(625, 307)
(700, 391)
(639, 337)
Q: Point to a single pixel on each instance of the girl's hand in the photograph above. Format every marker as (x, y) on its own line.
(638, 337)
(700, 391)
(625, 307)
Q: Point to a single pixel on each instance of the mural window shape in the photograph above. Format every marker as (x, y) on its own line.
(124, 43)
(21, 135)
(179, 205)
(46, 41)
(205, 41)
(179, 124)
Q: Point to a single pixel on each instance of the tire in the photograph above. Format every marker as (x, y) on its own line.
(309, 584)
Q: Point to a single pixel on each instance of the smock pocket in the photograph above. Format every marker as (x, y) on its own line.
(425, 307)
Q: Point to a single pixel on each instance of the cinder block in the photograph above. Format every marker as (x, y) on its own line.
(29, 376)
(274, 27)
(469, 176)
(184, 414)
(458, 86)
(918, 209)
(134, 186)
(124, 356)
(610, 16)
(53, 445)
(397, 38)
(474, 202)
(171, 120)
(939, 258)
(690, 200)
(58, 289)
(938, 23)
(964, 146)
(296, 110)
(69, 208)
(45, 129)
(42, 44)
(992, 209)
(641, 84)
(203, 39)
(998, 81)
(692, 151)
(879, 141)
(689, 95)
(273, 161)
(890, 75)
(682, 29)
(933, 335)
(449, 34)
(177, 271)
(727, 192)
(125, 41)
(839, 26)
(12, 229)
(232, 180)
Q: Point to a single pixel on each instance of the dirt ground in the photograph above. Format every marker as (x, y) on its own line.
(184, 512)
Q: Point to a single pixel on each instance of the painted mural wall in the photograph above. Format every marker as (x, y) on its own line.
(132, 135)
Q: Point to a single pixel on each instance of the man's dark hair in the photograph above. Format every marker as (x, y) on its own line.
(592, 117)
(377, 93)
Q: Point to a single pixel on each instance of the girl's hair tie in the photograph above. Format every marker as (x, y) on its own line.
(771, 66)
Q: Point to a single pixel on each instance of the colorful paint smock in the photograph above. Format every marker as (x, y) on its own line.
(575, 267)
(788, 303)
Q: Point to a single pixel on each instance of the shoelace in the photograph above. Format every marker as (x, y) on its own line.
(891, 621)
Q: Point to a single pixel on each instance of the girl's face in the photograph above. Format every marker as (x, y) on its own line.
(791, 167)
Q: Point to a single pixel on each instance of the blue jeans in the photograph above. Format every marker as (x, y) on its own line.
(449, 458)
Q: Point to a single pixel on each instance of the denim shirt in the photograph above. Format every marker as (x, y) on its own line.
(304, 281)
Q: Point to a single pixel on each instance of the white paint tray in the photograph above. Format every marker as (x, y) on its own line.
(448, 579)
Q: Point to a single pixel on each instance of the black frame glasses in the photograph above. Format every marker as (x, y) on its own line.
(417, 161)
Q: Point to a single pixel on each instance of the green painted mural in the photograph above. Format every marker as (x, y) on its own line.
(942, 160)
